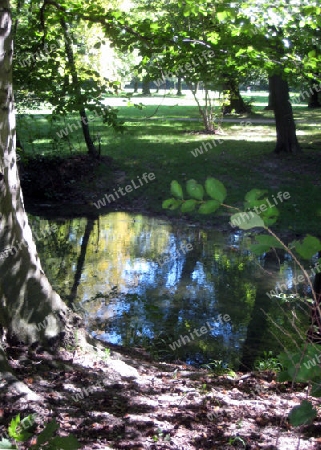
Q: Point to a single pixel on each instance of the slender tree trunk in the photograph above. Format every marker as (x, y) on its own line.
(283, 113)
(314, 101)
(196, 87)
(179, 86)
(135, 86)
(73, 70)
(270, 106)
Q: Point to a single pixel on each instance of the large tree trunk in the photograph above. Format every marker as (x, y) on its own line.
(30, 310)
(284, 121)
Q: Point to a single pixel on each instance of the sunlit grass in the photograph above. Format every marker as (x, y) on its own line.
(242, 161)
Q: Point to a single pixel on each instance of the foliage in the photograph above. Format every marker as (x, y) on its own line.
(19, 431)
(297, 366)
(303, 414)
(218, 367)
(56, 63)
(268, 362)
(213, 189)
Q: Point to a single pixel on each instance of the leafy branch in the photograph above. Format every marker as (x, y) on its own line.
(299, 366)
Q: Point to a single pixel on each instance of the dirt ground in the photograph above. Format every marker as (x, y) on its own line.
(125, 401)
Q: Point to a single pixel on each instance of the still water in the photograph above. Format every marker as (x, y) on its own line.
(181, 292)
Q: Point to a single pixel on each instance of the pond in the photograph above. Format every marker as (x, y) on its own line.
(183, 293)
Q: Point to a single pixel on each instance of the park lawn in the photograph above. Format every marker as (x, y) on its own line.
(242, 159)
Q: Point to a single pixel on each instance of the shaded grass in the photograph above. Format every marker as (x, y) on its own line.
(243, 160)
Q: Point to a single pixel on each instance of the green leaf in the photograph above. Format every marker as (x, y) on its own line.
(12, 429)
(265, 243)
(246, 220)
(309, 247)
(270, 216)
(5, 444)
(48, 432)
(284, 376)
(215, 189)
(27, 423)
(253, 196)
(221, 15)
(302, 414)
(171, 203)
(316, 390)
(65, 443)
(176, 189)
(301, 366)
(188, 206)
(209, 207)
(195, 190)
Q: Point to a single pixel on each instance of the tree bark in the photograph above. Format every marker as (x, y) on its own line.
(30, 310)
(146, 86)
(285, 126)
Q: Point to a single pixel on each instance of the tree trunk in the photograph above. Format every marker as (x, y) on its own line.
(135, 86)
(236, 102)
(146, 86)
(314, 101)
(179, 87)
(270, 106)
(283, 113)
(73, 70)
(30, 310)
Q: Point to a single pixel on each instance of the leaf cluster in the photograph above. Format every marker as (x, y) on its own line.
(21, 430)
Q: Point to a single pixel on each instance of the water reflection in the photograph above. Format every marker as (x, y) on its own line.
(143, 281)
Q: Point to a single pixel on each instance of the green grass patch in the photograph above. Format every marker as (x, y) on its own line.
(160, 139)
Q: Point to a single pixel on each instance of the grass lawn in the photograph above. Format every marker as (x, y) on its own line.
(160, 138)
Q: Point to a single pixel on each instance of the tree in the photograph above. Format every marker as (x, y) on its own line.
(284, 121)
(30, 310)
(242, 36)
(54, 71)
